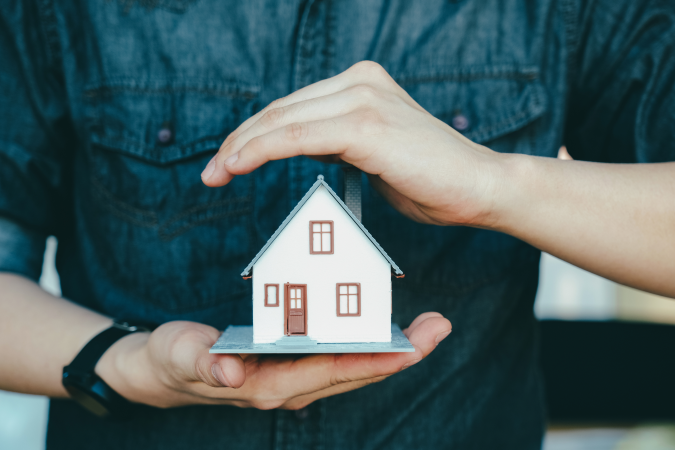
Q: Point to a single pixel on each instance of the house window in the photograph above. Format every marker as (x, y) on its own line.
(349, 299)
(321, 237)
(271, 295)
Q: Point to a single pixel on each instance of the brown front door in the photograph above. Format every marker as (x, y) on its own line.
(296, 309)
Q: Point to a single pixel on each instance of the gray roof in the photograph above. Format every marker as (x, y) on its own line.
(315, 186)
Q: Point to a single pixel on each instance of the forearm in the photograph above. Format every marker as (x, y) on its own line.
(615, 220)
(40, 334)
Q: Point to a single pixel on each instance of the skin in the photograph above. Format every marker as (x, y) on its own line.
(613, 220)
(172, 365)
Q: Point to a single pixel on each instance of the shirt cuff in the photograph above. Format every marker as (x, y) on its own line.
(21, 250)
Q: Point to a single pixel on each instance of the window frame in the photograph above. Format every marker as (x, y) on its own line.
(311, 237)
(267, 304)
(358, 299)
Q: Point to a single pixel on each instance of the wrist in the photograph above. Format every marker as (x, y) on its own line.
(513, 192)
(123, 366)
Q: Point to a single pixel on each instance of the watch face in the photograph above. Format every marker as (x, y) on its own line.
(124, 326)
(87, 401)
(137, 326)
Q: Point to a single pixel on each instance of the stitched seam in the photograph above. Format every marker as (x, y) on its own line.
(159, 83)
(571, 39)
(198, 208)
(49, 26)
(650, 100)
(165, 236)
(154, 150)
(471, 74)
(125, 217)
(101, 92)
(329, 49)
(300, 51)
(110, 199)
(507, 124)
(465, 77)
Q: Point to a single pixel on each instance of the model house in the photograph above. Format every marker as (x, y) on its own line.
(322, 278)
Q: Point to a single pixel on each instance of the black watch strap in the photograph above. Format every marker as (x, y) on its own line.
(86, 360)
(87, 388)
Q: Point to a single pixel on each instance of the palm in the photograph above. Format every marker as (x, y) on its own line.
(180, 370)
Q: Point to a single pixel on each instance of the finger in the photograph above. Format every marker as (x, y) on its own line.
(423, 338)
(364, 73)
(351, 371)
(298, 138)
(218, 179)
(419, 319)
(318, 89)
(335, 136)
(304, 400)
(429, 333)
(363, 366)
(273, 381)
(361, 72)
(282, 143)
(314, 109)
(228, 370)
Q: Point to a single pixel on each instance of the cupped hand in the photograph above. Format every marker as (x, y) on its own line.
(172, 366)
(421, 165)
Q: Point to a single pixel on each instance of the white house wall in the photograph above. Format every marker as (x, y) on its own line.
(355, 260)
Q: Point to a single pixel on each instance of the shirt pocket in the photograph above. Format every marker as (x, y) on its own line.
(160, 235)
(491, 105)
(497, 106)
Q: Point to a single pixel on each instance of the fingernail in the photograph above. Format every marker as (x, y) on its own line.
(232, 159)
(441, 336)
(218, 374)
(210, 167)
(408, 364)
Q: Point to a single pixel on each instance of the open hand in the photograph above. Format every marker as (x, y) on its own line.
(421, 165)
(172, 366)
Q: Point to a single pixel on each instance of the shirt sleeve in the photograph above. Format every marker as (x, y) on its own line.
(34, 133)
(622, 78)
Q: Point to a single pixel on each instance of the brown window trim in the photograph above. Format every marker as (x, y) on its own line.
(266, 302)
(311, 236)
(358, 299)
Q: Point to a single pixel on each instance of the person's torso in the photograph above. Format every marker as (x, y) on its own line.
(154, 90)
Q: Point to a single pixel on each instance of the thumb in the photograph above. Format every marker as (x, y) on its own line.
(188, 345)
(221, 370)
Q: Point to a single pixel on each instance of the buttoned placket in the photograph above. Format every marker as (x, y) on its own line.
(304, 428)
(312, 62)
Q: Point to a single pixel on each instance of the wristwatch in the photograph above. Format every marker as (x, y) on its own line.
(87, 388)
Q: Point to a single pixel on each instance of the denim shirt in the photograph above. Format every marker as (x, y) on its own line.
(111, 109)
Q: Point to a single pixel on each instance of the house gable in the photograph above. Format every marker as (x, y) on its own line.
(320, 183)
(293, 244)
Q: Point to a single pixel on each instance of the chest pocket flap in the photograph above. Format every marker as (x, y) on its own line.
(163, 121)
(483, 103)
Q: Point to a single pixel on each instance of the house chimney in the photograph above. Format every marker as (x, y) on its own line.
(352, 190)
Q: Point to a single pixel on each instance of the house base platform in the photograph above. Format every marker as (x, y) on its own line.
(239, 339)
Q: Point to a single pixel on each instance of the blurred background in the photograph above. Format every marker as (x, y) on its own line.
(606, 356)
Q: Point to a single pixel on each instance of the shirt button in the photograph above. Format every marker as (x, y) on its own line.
(460, 122)
(302, 414)
(164, 135)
